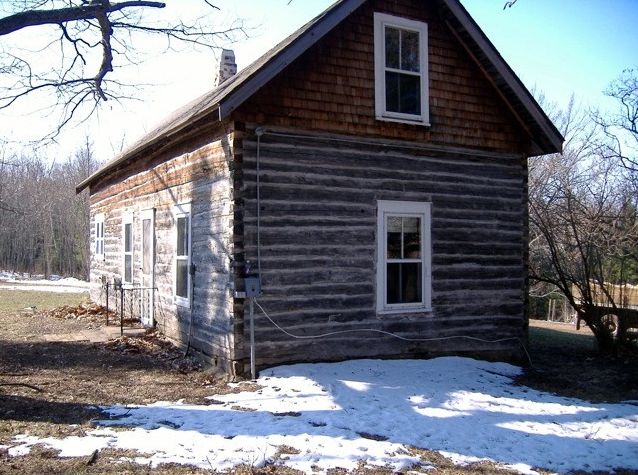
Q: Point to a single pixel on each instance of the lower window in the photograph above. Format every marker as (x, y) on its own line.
(403, 256)
(128, 249)
(182, 254)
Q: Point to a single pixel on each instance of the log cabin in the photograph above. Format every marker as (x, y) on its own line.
(359, 191)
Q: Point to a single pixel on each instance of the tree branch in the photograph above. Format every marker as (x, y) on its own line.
(94, 9)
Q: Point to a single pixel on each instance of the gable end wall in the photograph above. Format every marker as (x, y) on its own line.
(331, 88)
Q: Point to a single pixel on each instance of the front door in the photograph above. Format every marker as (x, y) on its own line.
(147, 292)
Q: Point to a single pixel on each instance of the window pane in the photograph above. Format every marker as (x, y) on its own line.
(146, 246)
(411, 283)
(128, 268)
(181, 281)
(403, 93)
(182, 236)
(392, 92)
(409, 94)
(393, 283)
(392, 52)
(412, 238)
(128, 237)
(404, 283)
(410, 51)
(394, 237)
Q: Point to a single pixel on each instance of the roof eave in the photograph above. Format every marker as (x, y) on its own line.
(308, 38)
(142, 148)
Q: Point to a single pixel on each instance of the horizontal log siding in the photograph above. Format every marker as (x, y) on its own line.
(318, 248)
(201, 177)
(331, 88)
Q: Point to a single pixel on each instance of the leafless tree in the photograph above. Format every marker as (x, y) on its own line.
(87, 43)
(583, 226)
(43, 223)
(620, 127)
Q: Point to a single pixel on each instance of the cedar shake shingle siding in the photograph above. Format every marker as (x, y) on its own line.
(331, 88)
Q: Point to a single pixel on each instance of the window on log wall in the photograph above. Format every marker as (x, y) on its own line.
(99, 236)
(127, 233)
(182, 254)
(403, 256)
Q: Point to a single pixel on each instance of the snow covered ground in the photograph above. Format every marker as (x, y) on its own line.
(334, 415)
(13, 281)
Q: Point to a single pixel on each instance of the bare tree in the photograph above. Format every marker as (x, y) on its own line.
(621, 127)
(583, 227)
(87, 42)
(43, 222)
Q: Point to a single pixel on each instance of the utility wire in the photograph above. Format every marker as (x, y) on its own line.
(394, 335)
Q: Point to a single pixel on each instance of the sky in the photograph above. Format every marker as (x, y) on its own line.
(558, 47)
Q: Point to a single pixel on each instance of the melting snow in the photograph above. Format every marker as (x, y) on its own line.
(334, 415)
(55, 283)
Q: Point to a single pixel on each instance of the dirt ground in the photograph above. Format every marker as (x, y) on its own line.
(565, 362)
(54, 388)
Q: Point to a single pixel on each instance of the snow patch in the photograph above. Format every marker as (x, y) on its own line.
(55, 283)
(335, 415)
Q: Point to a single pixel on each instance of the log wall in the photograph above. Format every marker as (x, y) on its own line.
(201, 177)
(318, 247)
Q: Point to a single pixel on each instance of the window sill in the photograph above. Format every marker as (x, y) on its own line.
(401, 120)
(182, 302)
(394, 311)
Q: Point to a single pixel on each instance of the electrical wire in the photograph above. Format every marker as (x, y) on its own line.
(259, 132)
(394, 335)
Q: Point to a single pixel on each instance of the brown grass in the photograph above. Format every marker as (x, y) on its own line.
(566, 362)
(56, 387)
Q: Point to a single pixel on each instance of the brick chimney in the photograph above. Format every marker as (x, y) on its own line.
(227, 66)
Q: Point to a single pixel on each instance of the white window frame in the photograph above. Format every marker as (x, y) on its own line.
(127, 219)
(99, 235)
(421, 210)
(181, 211)
(381, 21)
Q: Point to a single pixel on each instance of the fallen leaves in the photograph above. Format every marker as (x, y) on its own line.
(153, 344)
(91, 313)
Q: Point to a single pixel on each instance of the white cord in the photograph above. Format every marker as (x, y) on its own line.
(259, 133)
(383, 332)
(358, 330)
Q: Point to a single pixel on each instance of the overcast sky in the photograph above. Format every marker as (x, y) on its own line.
(558, 47)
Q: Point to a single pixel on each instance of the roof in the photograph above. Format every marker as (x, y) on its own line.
(223, 100)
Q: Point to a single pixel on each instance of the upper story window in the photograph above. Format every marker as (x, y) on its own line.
(99, 235)
(401, 69)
